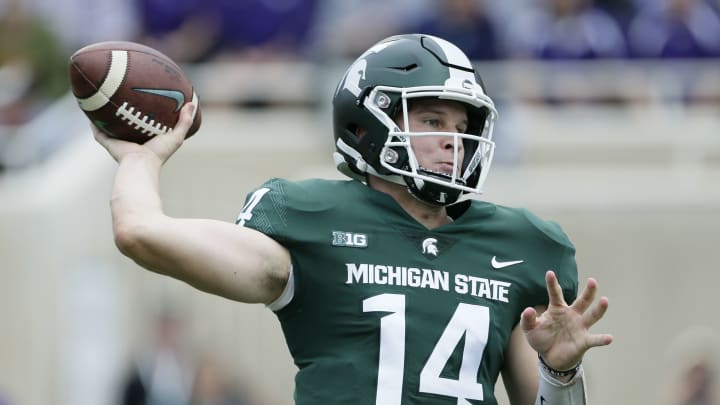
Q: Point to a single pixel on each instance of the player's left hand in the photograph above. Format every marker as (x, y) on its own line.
(561, 334)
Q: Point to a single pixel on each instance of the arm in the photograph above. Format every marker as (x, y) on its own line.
(520, 373)
(214, 256)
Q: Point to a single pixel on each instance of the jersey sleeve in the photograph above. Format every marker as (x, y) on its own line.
(566, 267)
(557, 253)
(266, 210)
(286, 211)
(567, 274)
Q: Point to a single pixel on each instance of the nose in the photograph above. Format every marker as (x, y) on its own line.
(448, 143)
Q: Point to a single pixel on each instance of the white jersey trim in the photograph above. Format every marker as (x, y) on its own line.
(287, 295)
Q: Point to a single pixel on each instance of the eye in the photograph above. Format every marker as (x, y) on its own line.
(435, 123)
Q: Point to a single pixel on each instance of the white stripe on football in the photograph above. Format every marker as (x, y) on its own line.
(118, 68)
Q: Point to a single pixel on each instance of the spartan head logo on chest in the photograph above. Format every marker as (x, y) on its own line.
(429, 247)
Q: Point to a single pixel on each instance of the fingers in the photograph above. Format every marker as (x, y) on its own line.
(596, 312)
(186, 119)
(554, 290)
(599, 340)
(586, 298)
(166, 145)
(179, 132)
(591, 317)
(528, 319)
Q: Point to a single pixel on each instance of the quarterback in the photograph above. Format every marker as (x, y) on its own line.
(392, 287)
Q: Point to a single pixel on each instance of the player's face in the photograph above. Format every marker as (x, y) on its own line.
(436, 152)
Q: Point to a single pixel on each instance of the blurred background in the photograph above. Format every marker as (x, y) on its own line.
(609, 124)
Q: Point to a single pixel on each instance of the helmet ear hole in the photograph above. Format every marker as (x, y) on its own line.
(358, 131)
(351, 135)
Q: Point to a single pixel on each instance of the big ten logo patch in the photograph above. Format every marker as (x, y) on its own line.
(349, 239)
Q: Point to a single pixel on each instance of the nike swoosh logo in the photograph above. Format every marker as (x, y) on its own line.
(176, 95)
(499, 265)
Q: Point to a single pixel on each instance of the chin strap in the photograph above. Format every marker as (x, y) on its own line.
(432, 193)
(555, 392)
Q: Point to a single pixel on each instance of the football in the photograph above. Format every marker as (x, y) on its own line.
(130, 91)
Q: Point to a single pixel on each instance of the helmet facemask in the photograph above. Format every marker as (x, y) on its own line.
(398, 157)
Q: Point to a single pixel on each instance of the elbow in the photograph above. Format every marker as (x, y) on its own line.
(128, 236)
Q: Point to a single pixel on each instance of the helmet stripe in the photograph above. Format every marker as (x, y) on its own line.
(453, 54)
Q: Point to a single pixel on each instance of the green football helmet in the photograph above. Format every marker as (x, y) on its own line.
(372, 93)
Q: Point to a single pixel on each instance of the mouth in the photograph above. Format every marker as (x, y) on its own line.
(442, 168)
(445, 174)
(446, 168)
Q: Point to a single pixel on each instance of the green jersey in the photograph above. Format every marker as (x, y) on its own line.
(381, 310)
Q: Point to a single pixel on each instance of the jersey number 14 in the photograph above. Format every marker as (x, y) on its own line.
(471, 321)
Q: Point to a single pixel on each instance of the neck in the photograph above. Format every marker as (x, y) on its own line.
(430, 216)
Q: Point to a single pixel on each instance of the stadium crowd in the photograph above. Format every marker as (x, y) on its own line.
(38, 36)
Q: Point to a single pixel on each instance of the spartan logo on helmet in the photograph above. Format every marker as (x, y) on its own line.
(429, 246)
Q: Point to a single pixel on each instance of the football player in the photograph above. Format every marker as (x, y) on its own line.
(392, 287)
